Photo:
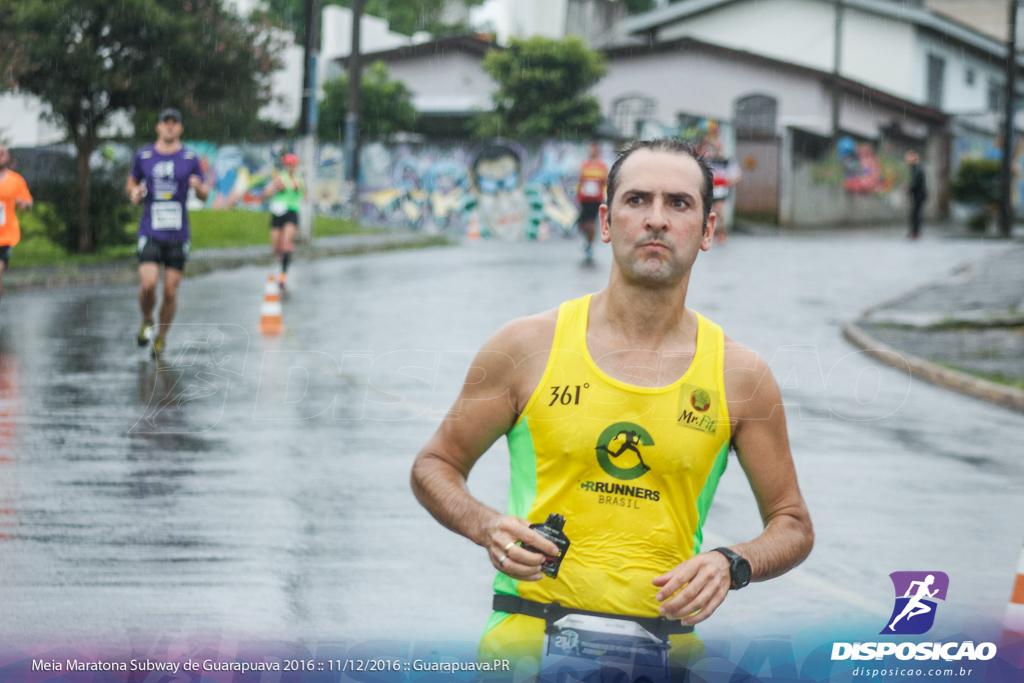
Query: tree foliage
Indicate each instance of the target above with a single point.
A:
(638, 6)
(542, 90)
(92, 59)
(403, 16)
(385, 106)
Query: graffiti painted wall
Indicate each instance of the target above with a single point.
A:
(502, 190)
(975, 145)
(861, 169)
(239, 174)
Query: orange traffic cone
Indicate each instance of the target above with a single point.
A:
(270, 312)
(1015, 609)
(474, 228)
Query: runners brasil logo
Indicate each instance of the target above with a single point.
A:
(620, 444)
(916, 595)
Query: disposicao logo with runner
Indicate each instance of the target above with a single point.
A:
(913, 613)
(916, 596)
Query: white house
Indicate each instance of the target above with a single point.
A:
(445, 75)
(900, 48)
(781, 115)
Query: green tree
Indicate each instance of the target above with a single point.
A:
(92, 59)
(403, 16)
(385, 106)
(638, 6)
(542, 90)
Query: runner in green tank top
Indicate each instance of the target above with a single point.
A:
(619, 410)
(286, 190)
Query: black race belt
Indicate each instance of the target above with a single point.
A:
(551, 612)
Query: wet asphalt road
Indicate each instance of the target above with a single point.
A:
(256, 488)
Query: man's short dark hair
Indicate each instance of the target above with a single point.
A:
(672, 146)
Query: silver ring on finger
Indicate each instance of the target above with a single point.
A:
(501, 561)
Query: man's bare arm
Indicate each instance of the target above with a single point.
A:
(201, 188)
(486, 408)
(762, 445)
(135, 189)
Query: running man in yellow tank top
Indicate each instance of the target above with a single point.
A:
(620, 409)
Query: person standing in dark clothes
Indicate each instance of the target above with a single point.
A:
(918, 191)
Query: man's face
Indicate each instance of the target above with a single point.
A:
(5, 157)
(169, 130)
(595, 151)
(912, 158)
(655, 221)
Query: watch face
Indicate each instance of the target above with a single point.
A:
(741, 573)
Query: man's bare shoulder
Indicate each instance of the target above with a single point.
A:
(749, 384)
(525, 337)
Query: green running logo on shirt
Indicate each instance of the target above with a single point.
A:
(618, 439)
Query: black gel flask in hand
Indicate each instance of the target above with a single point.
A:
(551, 530)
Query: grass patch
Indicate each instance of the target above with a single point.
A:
(40, 251)
(995, 379)
(211, 229)
(224, 228)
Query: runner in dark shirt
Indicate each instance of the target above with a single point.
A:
(161, 177)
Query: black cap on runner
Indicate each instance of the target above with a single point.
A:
(170, 113)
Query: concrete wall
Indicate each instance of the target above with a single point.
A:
(881, 53)
(817, 204)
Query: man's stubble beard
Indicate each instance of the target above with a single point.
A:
(654, 272)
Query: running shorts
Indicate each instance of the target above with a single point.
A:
(588, 211)
(286, 217)
(170, 253)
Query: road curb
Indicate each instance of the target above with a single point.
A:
(125, 271)
(1007, 397)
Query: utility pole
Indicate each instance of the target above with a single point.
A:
(836, 65)
(1006, 212)
(354, 69)
(308, 115)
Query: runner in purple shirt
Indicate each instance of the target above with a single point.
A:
(161, 176)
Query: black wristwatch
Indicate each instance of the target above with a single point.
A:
(739, 568)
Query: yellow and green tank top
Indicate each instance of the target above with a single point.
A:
(633, 470)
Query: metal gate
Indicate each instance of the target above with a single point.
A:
(757, 193)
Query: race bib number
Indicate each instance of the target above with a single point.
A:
(3, 214)
(590, 188)
(166, 216)
(278, 208)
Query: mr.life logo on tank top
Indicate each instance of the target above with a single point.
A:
(698, 409)
(620, 453)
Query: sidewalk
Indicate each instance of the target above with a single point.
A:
(207, 260)
(964, 332)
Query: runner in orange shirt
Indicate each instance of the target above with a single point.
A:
(14, 195)
(590, 195)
